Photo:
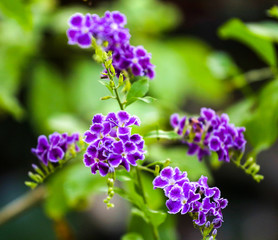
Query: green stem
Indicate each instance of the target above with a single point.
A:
(115, 89)
(146, 169)
(154, 229)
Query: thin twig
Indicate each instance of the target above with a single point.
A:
(21, 204)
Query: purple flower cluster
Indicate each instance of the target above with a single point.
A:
(197, 198)
(54, 148)
(111, 143)
(109, 32)
(209, 132)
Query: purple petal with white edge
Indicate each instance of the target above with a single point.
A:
(94, 168)
(222, 203)
(213, 192)
(217, 222)
(96, 128)
(185, 208)
(118, 147)
(193, 197)
(174, 120)
(124, 138)
(89, 137)
(214, 144)
(44, 157)
(98, 118)
(42, 143)
(201, 219)
(224, 119)
(55, 154)
(203, 181)
(84, 40)
(176, 193)
(106, 128)
(187, 186)
(173, 206)
(123, 117)
(136, 138)
(72, 36)
(167, 173)
(103, 168)
(129, 147)
(133, 121)
(114, 160)
(207, 205)
(111, 117)
(136, 69)
(92, 151)
(55, 138)
(151, 73)
(158, 182)
(88, 160)
(182, 123)
(140, 146)
(178, 175)
(125, 164)
(131, 158)
(207, 113)
(140, 51)
(123, 130)
(119, 18)
(76, 20)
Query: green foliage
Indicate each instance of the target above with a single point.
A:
(171, 135)
(47, 82)
(132, 236)
(137, 91)
(262, 129)
(18, 10)
(70, 188)
(273, 12)
(179, 158)
(236, 29)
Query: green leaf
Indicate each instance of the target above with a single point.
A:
(147, 99)
(47, 96)
(137, 90)
(262, 128)
(273, 12)
(237, 30)
(18, 10)
(132, 236)
(156, 217)
(266, 29)
(171, 135)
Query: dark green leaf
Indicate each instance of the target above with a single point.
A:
(137, 90)
(235, 29)
(163, 134)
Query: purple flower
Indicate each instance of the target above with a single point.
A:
(55, 148)
(209, 132)
(111, 143)
(110, 33)
(195, 197)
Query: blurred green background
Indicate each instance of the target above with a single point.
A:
(47, 85)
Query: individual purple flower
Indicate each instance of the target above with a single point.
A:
(111, 143)
(197, 198)
(54, 148)
(209, 133)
